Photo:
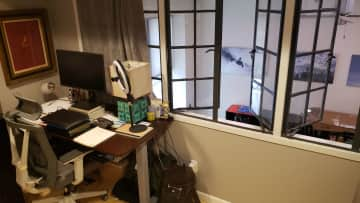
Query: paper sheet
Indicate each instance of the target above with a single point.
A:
(94, 137)
(52, 106)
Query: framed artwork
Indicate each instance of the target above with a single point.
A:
(236, 60)
(303, 66)
(26, 49)
(354, 72)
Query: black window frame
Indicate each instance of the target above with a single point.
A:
(217, 56)
(291, 131)
(217, 61)
(265, 124)
(152, 46)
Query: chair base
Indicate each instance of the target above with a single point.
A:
(72, 197)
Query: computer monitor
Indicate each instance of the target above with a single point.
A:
(81, 70)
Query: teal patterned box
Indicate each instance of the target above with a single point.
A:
(139, 110)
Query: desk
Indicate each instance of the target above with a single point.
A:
(336, 122)
(120, 145)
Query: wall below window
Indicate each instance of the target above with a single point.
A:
(239, 169)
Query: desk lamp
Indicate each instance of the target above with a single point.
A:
(122, 86)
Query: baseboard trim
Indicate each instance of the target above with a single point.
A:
(206, 198)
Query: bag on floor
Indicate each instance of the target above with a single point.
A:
(178, 186)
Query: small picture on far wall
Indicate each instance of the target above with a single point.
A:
(354, 72)
(303, 65)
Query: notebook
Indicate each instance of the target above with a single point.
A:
(93, 137)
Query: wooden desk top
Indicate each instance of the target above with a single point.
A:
(336, 122)
(119, 145)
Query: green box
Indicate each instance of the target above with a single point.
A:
(139, 109)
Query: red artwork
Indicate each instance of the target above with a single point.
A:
(26, 49)
(25, 44)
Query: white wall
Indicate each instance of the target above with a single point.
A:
(341, 97)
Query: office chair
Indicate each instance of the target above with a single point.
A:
(38, 170)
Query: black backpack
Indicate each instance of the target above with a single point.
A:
(178, 186)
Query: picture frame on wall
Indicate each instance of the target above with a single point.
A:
(26, 47)
(354, 72)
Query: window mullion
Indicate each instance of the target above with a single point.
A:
(289, 38)
(312, 60)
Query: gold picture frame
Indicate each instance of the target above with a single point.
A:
(26, 47)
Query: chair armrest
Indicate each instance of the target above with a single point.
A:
(77, 158)
(73, 155)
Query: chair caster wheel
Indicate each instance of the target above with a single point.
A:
(105, 197)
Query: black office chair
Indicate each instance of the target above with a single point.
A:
(38, 170)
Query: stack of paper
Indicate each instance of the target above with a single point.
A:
(94, 137)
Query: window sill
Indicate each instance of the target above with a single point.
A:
(275, 139)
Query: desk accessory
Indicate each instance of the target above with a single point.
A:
(28, 108)
(127, 131)
(131, 80)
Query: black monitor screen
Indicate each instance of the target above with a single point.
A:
(81, 70)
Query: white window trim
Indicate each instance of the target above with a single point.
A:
(276, 136)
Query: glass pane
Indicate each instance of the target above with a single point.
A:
(157, 88)
(205, 25)
(181, 5)
(267, 107)
(301, 73)
(327, 23)
(258, 65)
(320, 71)
(155, 62)
(296, 113)
(150, 5)
(274, 32)
(276, 5)
(315, 106)
(261, 29)
(263, 4)
(205, 4)
(255, 98)
(182, 63)
(330, 3)
(310, 5)
(270, 72)
(152, 29)
(182, 29)
(204, 93)
(306, 32)
(183, 94)
(205, 62)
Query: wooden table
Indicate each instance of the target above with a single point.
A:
(336, 122)
(121, 145)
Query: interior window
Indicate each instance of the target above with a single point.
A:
(308, 115)
(223, 59)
